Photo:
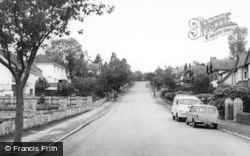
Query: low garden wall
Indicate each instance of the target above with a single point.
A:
(243, 118)
(67, 107)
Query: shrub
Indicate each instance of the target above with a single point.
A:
(163, 92)
(169, 96)
(183, 92)
(41, 86)
(224, 91)
(41, 99)
(205, 98)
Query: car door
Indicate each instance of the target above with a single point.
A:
(202, 115)
(192, 113)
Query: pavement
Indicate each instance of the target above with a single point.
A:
(58, 130)
(136, 126)
(239, 130)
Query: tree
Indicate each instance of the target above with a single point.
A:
(98, 59)
(169, 79)
(195, 62)
(237, 41)
(116, 73)
(185, 67)
(24, 25)
(41, 86)
(201, 84)
(68, 53)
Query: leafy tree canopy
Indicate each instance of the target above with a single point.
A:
(237, 41)
(68, 53)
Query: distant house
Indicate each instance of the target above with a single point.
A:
(219, 70)
(7, 81)
(53, 72)
(94, 68)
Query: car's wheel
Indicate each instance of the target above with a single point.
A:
(194, 124)
(215, 126)
(187, 122)
(173, 117)
(178, 119)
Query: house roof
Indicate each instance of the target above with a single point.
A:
(44, 59)
(241, 59)
(225, 64)
(33, 69)
(93, 66)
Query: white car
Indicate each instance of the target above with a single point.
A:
(182, 104)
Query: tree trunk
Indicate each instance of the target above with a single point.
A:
(19, 113)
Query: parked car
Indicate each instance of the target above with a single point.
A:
(203, 115)
(182, 104)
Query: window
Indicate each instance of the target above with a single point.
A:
(177, 101)
(31, 92)
(203, 110)
(189, 101)
(245, 73)
(211, 110)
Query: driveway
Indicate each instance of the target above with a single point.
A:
(137, 126)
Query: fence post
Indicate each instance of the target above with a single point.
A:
(238, 107)
(228, 102)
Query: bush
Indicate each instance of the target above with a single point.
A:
(183, 92)
(205, 98)
(229, 91)
(163, 92)
(41, 86)
(169, 96)
(41, 99)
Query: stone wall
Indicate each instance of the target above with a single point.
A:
(41, 117)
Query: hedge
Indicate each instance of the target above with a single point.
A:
(230, 91)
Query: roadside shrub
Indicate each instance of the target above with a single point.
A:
(224, 91)
(41, 99)
(163, 92)
(205, 98)
(169, 96)
(184, 92)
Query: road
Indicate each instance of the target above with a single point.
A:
(136, 126)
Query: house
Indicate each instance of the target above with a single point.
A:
(240, 74)
(7, 82)
(94, 68)
(53, 72)
(219, 69)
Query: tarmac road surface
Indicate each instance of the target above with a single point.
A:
(136, 126)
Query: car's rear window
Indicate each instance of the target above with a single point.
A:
(211, 110)
(203, 110)
(188, 101)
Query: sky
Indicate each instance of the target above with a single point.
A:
(152, 33)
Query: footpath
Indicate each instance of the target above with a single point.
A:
(239, 130)
(57, 131)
